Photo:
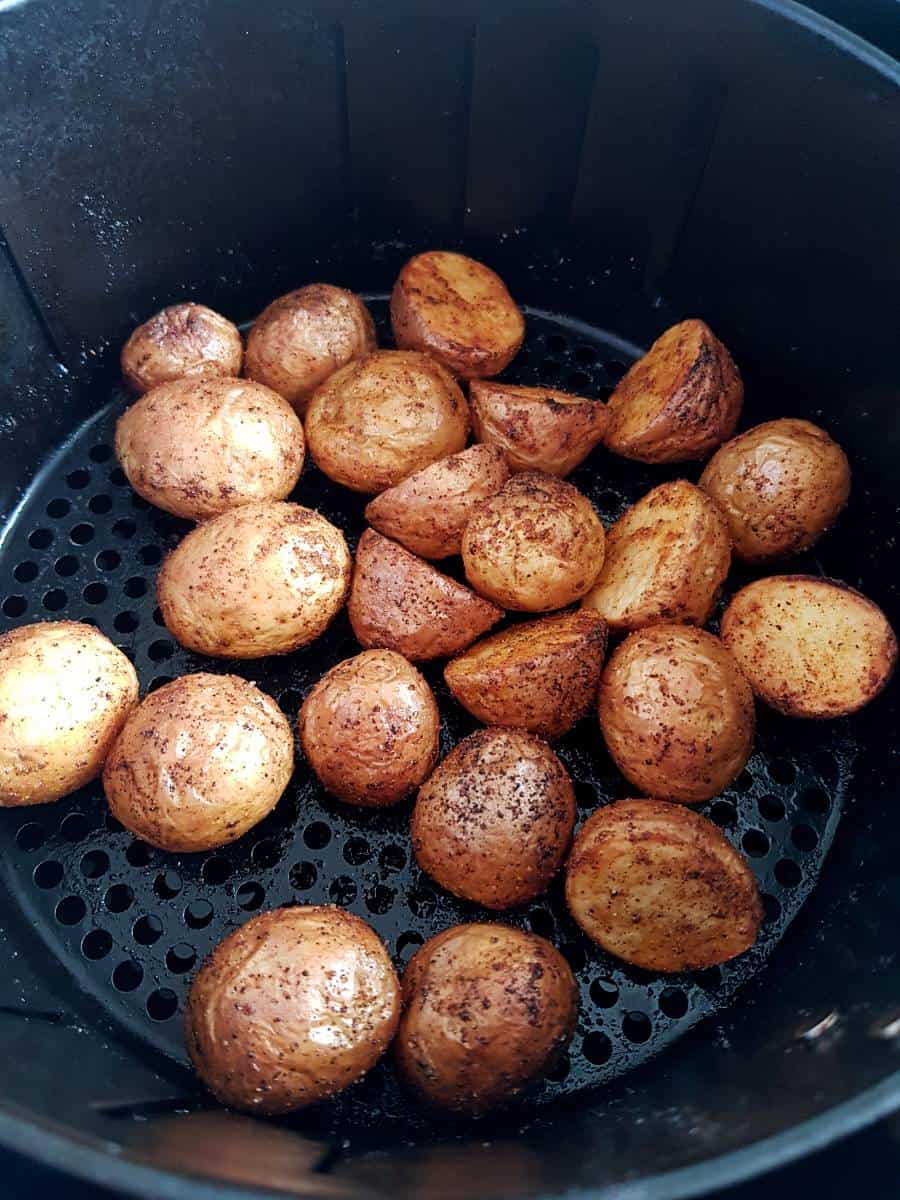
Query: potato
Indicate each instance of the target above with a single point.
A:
(196, 447)
(398, 602)
(810, 647)
(261, 579)
(182, 340)
(291, 1008)
(659, 886)
(487, 1010)
(678, 402)
(666, 560)
(540, 676)
(494, 821)
(458, 311)
(65, 692)
(781, 485)
(676, 713)
(535, 546)
(305, 336)
(428, 511)
(201, 761)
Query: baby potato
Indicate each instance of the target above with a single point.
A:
(265, 578)
(676, 713)
(458, 311)
(535, 546)
(660, 887)
(666, 560)
(540, 676)
(182, 340)
(398, 602)
(199, 762)
(487, 1010)
(383, 417)
(810, 647)
(678, 402)
(290, 1009)
(65, 692)
(428, 511)
(196, 447)
(781, 485)
(305, 336)
(494, 821)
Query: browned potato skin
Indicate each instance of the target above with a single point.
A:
(486, 1011)
(494, 821)
(660, 887)
(257, 1001)
(678, 402)
(182, 340)
(457, 310)
(781, 485)
(811, 647)
(540, 676)
(429, 510)
(676, 713)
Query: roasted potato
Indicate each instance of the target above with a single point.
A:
(261, 579)
(65, 692)
(535, 546)
(660, 887)
(678, 402)
(291, 1008)
(182, 340)
(676, 713)
(428, 511)
(666, 560)
(458, 311)
(810, 647)
(540, 676)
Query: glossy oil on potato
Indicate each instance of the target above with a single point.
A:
(184, 340)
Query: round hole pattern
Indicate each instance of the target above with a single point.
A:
(147, 930)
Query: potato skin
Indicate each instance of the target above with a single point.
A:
(182, 340)
(291, 1008)
(65, 692)
(676, 713)
(811, 647)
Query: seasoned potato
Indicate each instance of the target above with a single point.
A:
(65, 692)
(660, 887)
(678, 402)
(810, 647)
(458, 311)
(487, 1010)
(197, 447)
(541, 676)
(666, 560)
(535, 546)
(260, 579)
(428, 511)
(676, 713)
(291, 1008)
(182, 340)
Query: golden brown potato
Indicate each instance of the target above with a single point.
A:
(781, 485)
(541, 676)
(291, 1008)
(810, 647)
(398, 602)
(261, 579)
(676, 713)
(678, 402)
(487, 1010)
(201, 761)
(660, 887)
(535, 546)
(65, 692)
(305, 336)
(666, 560)
(182, 340)
(458, 311)
(494, 821)
(428, 511)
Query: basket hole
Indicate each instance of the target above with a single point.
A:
(147, 930)
(74, 827)
(673, 1002)
(139, 504)
(770, 808)
(787, 873)
(161, 650)
(250, 896)
(66, 566)
(216, 870)
(804, 838)
(14, 606)
(771, 908)
(118, 898)
(181, 958)
(112, 824)
(55, 600)
(94, 864)
(317, 835)
(150, 555)
(558, 1071)
(744, 782)
(108, 560)
(127, 976)
(380, 899)
(100, 504)
(126, 622)
(636, 1027)
(158, 618)
(58, 508)
(290, 700)
(198, 914)
(755, 843)
(25, 572)
(135, 587)
(709, 980)
(408, 943)
(342, 890)
(596, 1048)
(574, 956)
(30, 837)
(82, 534)
(723, 814)
(95, 593)
(783, 771)
(96, 944)
(357, 851)
(78, 479)
(48, 874)
(101, 453)
(604, 993)
(40, 539)
(117, 477)
(162, 1004)
(815, 800)
(302, 876)
(422, 902)
(609, 501)
(167, 884)
(125, 528)
(392, 858)
(70, 910)
(265, 854)
(138, 854)
(541, 922)
(585, 795)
